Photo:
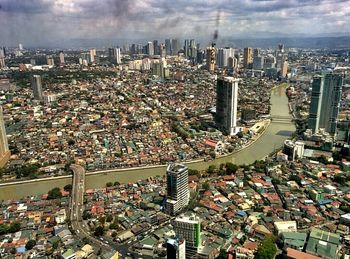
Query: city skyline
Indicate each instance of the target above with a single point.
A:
(113, 20)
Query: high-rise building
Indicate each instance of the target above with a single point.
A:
(226, 104)
(293, 150)
(20, 46)
(92, 55)
(178, 193)
(256, 53)
(284, 69)
(211, 58)
(155, 47)
(168, 48)
(187, 48)
(258, 62)
(175, 47)
(150, 48)
(4, 147)
(188, 227)
(162, 51)
(176, 249)
(115, 53)
(32, 61)
(248, 57)
(49, 60)
(200, 55)
(325, 99)
(37, 87)
(223, 56)
(61, 55)
(2, 58)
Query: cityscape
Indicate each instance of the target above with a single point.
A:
(179, 130)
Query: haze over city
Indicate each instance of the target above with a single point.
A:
(65, 23)
(182, 129)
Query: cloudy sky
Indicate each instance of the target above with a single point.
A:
(60, 22)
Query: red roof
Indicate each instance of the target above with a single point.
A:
(300, 255)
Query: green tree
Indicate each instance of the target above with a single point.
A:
(102, 220)
(55, 193)
(27, 170)
(322, 159)
(99, 231)
(223, 254)
(114, 224)
(267, 249)
(295, 178)
(338, 178)
(4, 228)
(68, 188)
(14, 227)
(193, 172)
(109, 184)
(30, 244)
(231, 168)
(109, 218)
(205, 186)
(86, 215)
(211, 169)
(116, 183)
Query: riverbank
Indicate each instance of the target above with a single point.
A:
(273, 136)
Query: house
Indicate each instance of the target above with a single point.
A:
(322, 243)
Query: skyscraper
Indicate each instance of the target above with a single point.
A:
(284, 69)
(325, 99)
(226, 104)
(168, 48)
(4, 147)
(258, 60)
(178, 193)
(256, 53)
(188, 227)
(116, 54)
(92, 55)
(248, 57)
(175, 47)
(155, 47)
(162, 51)
(187, 48)
(2, 58)
(37, 87)
(49, 60)
(176, 249)
(150, 48)
(211, 58)
(223, 56)
(61, 55)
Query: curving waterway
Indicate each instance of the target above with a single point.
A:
(272, 138)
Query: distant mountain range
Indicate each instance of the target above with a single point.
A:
(258, 40)
(338, 42)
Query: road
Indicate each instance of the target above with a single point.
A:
(77, 208)
(106, 244)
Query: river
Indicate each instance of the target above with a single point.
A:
(273, 138)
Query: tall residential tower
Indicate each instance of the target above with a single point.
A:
(178, 193)
(4, 147)
(37, 87)
(325, 99)
(226, 104)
